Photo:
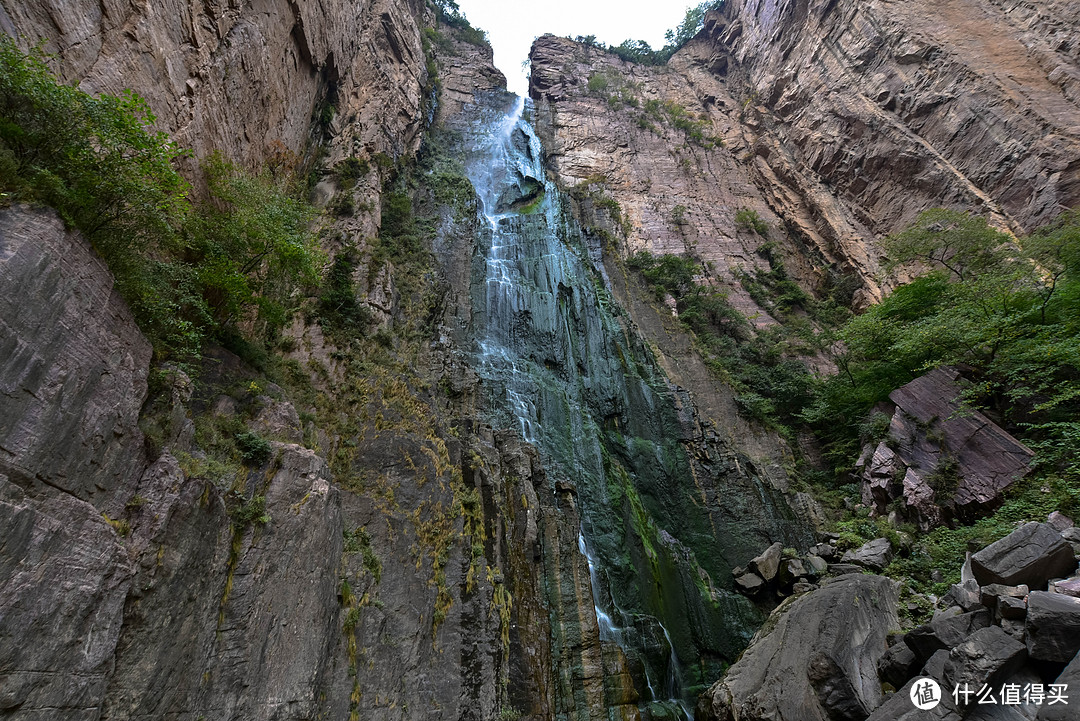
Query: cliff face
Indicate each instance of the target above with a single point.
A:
(395, 554)
(240, 78)
(840, 122)
(328, 579)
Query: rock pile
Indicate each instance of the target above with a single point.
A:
(779, 572)
(1013, 626)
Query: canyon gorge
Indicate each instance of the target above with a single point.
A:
(488, 466)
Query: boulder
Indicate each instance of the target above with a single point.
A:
(816, 565)
(874, 554)
(1014, 627)
(935, 665)
(1070, 677)
(1060, 521)
(1067, 586)
(965, 595)
(987, 458)
(825, 550)
(898, 665)
(880, 470)
(1011, 608)
(990, 595)
(1053, 627)
(1001, 712)
(945, 632)
(1072, 537)
(898, 707)
(1032, 555)
(749, 583)
(791, 571)
(842, 569)
(768, 563)
(989, 656)
(816, 658)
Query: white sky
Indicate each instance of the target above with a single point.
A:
(512, 25)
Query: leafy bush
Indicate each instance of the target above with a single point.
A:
(639, 51)
(340, 314)
(253, 511)
(1003, 309)
(96, 161)
(254, 449)
(250, 243)
(750, 220)
(187, 270)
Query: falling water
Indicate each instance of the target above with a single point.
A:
(559, 366)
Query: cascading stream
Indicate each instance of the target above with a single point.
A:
(558, 365)
(531, 280)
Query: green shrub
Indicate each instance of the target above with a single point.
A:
(188, 270)
(341, 315)
(750, 220)
(254, 449)
(246, 513)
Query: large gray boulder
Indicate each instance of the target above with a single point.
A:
(989, 656)
(1053, 627)
(874, 554)
(768, 563)
(1070, 677)
(815, 659)
(945, 633)
(898, 664)
(1032, 555)
(898, 707)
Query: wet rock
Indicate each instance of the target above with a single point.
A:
(815, 659)
(768, 563)
(989, 656)
(1053, 626)
(874, 554)
(1031, 555)
(898, 664)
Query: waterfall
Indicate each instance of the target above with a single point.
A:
(558, 365)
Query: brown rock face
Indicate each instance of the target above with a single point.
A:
(946, 460)
(245, 79)
(840, 121)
